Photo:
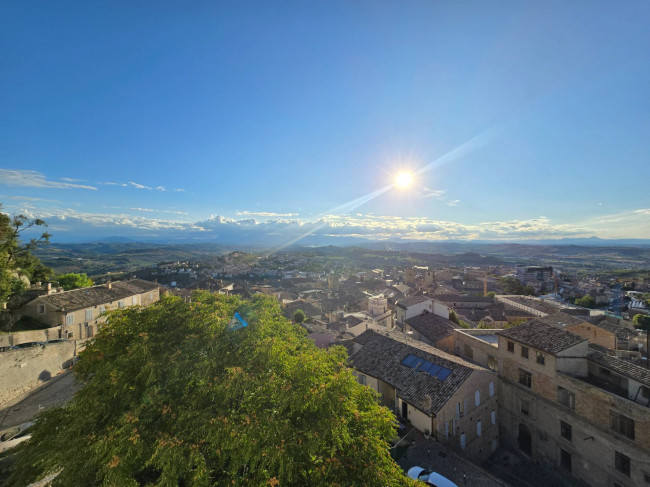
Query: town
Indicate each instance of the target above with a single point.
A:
(504, 368)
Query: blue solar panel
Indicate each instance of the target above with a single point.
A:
(434, 370)
(411, 361)
(444, 373)
(424, 366)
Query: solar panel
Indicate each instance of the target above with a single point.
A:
(410, 361)
(434, 370)
(424, 366)
(444, 373)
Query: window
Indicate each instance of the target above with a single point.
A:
(89, 314)
(493, 363)
(525, 378)
(565, 460)
(469, 351)
(362, 379)
(458, 410)
(511, 347)
(41, 309)
(524, 407)
(541, 359)
(150, 295)
(491, 389)
(565, 430)
(566, 398)
(120, 304)
(446, 429)
(477, 398)
(462, 441)
(465, 405)
(102, 309)
(621, 424)
(493, 416)
(134, 300)
(524, 352)
(69, 319)
(479, 428)
(622, 463)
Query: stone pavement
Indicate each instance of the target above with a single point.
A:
(55, 392)
(430, 454)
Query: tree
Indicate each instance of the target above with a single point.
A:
(587, 301)
(299, 316)
(453, 317)
(18, 267)
(491, 294)
(511, 285)
(74, 281)
(173, 396)
(642, 322)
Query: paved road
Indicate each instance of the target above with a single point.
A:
(434, 456)
(55, 392)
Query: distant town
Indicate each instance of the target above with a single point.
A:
(503, 369)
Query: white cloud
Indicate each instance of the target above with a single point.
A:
(109, 183)
(138, 185)
(19, 177)
(452, 202)
(264, 214)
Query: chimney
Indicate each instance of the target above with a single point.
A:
(48, 288)
(109, 285)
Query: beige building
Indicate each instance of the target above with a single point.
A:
(439, 394)
(79, 312)
(568, 403)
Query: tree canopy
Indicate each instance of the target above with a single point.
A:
(299, 316)
(74, 281)
(587, 301)
(173, 396)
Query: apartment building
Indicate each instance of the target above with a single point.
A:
(573, 404)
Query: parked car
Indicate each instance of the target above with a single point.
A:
(429, 477)
(12, 436)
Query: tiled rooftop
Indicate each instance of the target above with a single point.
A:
(619, 366)
(405, 303)
(542, 336)
(98, 295)
(431, 326)
(381, 357)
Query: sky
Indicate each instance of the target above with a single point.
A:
(236, 120)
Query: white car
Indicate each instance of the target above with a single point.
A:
(429, 477)
(13, 436)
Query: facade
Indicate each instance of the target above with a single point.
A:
(78, 312)
(439, 394)
(410, 307)
(565, 402)
(431, 329)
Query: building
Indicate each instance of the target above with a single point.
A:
(565, 402)
(439, 394)
(413, 306)
(431, 329)
(540, 278)
(79, 312)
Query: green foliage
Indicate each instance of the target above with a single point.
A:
(463, 324)
(511, 285)
(641, 322)
(74, 281)
(299, 316)
(491, 294)
(587, 301)
(453, 317)
(17, 265)
(173, 397)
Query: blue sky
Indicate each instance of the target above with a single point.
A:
(520, 119)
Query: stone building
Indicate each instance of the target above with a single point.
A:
(79, 312)
(440, 394)
(569, 403)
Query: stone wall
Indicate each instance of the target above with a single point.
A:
(27, 368)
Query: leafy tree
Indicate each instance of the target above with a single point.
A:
(511, 285)
(491, 294)
(299, 316)
(642, 322)
(453, 317)
(529, 290)
(18, 267)
(173, 396)
(587, 301)
(74, 281)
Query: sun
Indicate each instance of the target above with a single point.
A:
(404, 179)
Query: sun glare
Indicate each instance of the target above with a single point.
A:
(404, 179)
